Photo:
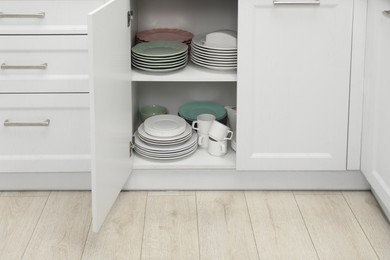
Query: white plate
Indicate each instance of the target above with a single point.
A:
(215, 62)
(186, 132)
(213, 57)
(213, 52)
(212, 67)
(160, 69)
(159, 143)
(181, 146)
(171, 158)
(165, 125)
(166, 153)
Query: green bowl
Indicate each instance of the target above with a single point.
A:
(152, 110)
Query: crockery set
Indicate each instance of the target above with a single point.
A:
(212, 135)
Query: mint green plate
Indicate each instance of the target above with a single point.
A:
(190, 111)
(159, 48)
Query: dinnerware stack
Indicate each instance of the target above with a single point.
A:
(165, 137)
(166, 34)
(159, 56)
(190, 111)
(216, 50)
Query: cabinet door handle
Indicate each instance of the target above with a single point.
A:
(40, 15)
(24, 67)
(386, 12)
(44, 123)
(315, 2)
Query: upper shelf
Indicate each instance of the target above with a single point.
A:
(190, 73)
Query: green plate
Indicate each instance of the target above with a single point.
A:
(159, 48)
(190, 111)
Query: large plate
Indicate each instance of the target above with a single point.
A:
(213, 57)
(172, 148)
(160, 69)
(172, 157)
(190, 111)
(159, 59)
(212, 66)
(160, 48)
(165, 125)
(159, 65)
(215, 62)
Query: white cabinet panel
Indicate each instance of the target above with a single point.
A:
(45, 17)
(65, 59)
(293, 85)
(376, 131)
(44, 133)
(111, 104)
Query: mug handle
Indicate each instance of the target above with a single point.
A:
(229, 137)
(193, 125)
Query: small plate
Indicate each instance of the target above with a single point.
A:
(157, 139)
(200, 41)
(165, 125)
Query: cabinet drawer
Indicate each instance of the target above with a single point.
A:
(45, 17)
(54, 63)
(44, 133)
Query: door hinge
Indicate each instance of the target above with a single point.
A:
(129, 18)
(131, 147)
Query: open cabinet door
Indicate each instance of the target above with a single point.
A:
(376, 131)
(111, 107)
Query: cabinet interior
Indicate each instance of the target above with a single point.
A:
(175, 90)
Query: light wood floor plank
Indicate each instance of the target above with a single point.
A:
(63, 227)
(170, 228)
(372, 220)
(335, 232)
(171, 193)
(278, 226)
(120, 237)
(225, 230)
(25, 194)
(18, 218)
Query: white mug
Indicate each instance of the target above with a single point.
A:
(220, 132)
(217, 148)
(203, 123)
(203, 140)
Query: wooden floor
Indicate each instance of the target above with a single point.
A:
(195, 225)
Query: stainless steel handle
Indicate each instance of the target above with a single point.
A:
(40, 15)
(24, 67)
(44, 123)
(386, 12)
(315, 2)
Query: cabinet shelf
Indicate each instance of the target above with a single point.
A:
(191, 72)
(201, 159)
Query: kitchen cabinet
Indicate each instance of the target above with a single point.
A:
(291, 88)
(294, 100)
(44, 89)
(376, 137)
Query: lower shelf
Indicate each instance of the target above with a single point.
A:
(201, 159)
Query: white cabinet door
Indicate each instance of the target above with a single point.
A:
(376, 121)
(293, 84)
(111, 108)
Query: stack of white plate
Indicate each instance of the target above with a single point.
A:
(159, 56)
(217, 50)
(165, 137)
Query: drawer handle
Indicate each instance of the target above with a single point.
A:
(44, 123)
(24, 67)
(40, 15)
(386, 12)
(315, 2)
